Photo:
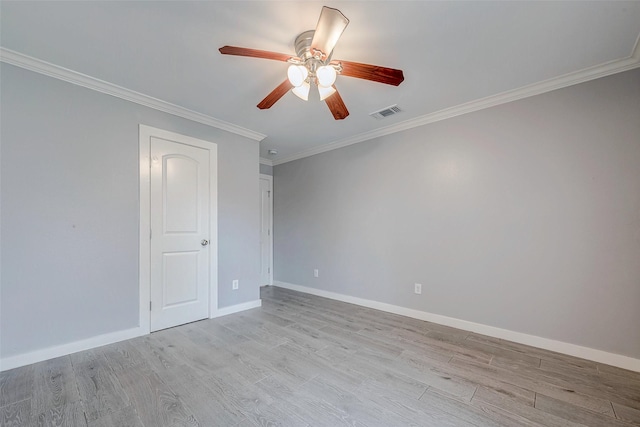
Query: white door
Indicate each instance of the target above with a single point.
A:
(179, 233)
(266, 237)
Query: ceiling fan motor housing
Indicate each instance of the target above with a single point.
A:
(311, 60)
(314, 65)
(303, 45)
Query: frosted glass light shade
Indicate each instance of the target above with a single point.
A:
(325, 92)
(326, 75)
(297, 74)
(302, 91)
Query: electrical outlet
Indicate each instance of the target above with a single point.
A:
(418, 288)
(316, 273)
(234, 284)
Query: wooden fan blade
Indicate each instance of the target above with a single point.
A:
(254, 53)
(275, 95)
(375, 73)
(330, 26)
(336, 105)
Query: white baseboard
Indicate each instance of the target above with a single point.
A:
(224, 311)
(19, 360)
(600, 356)
(65, 349)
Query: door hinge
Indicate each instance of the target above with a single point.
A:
(268, 193)
(268, 270)
(149, 305)
(269, 232)
(150, 233)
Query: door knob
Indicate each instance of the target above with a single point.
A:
(204, 242)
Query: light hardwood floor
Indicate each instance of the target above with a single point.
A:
(304, 360)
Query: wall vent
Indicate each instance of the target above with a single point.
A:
(386, 112)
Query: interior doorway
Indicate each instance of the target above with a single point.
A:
(178, 229)
(266, 230)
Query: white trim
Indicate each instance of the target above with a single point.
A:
(581, 76)
(600, 356)
(144, 248)
(225, 311)
(33, 64)
(145, 134)
(270, 179)
(64, 349)
(590, 73)
(24, 359)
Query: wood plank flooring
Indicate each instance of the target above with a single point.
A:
(302, 360)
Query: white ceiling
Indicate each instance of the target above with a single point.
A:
(451, 53)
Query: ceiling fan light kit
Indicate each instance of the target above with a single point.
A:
(326, 92)
(297, 74)
(302, 91)
(326, 75)
(314, 65)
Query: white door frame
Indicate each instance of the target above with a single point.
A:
(270, 179)
(145, 134)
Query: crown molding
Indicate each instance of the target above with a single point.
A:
(570, 79)
(42, 67)
(33, 64)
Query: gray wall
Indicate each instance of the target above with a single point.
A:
(524, 216)
(266, 169)
(69, 177)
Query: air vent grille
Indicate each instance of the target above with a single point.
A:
(386, 112)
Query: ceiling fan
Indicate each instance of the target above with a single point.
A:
(314, 65)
